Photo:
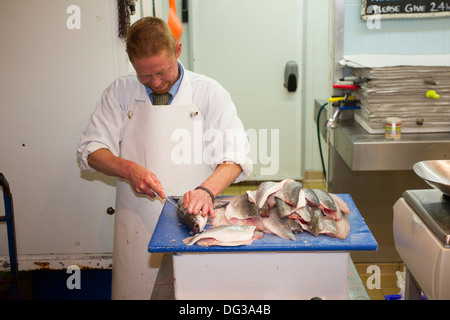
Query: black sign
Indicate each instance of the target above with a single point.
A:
(383, 9)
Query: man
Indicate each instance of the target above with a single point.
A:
(154, 150)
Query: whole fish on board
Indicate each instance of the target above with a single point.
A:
(231, 235)
(195, 223)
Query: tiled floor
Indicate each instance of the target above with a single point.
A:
(387, 281)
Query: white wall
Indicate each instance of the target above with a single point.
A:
(52, 77)
(317, 75)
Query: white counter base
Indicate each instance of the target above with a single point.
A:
(257, 275)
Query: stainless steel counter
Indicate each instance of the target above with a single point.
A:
(372, 152)
(376, 172)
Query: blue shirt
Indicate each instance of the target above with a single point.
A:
(173, 90)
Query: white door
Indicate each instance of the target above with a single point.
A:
(245, 45)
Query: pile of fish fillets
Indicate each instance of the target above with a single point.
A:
(282, 208)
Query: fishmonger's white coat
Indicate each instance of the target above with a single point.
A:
(181, 143)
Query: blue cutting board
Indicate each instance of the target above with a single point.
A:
(170, 232)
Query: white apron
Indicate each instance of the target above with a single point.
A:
(147, 141)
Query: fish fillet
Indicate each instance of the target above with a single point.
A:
(303, 214)
(340, 203)
(311, 198)
(327, 204)
(295, 225)
(225, 235)
(290, 193)
(343, 228)
(242, 211)
(265, 195)
(280, 227)
(280, 208)
(326, 225)
(220, 219)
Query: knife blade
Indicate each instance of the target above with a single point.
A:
(169, 199)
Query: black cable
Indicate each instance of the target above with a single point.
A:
(318, 137)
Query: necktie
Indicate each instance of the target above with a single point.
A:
(160, 99)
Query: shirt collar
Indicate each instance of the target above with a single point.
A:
(174, 89)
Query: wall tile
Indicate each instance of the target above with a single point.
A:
(395, 36)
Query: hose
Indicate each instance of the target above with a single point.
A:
(318, 138)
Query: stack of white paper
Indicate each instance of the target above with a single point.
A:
(399, 89)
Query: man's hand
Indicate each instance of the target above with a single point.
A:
(144, 181)
(198, 200)
(141, 179)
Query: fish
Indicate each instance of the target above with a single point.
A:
(251, 195)
(284, 210)
(325, 199)
(327, 204)
(343, 227)
(265, 199)
(334, 228)
(289, 198)
(195, 223)
(220, 219)
(231, 235)
(311, 197)
(241, 210)
(326, 225)
(290, 192)
(302, 214)
(295, 225)
(274, 224)
(314, 224)
(340, 204)
(320, 224)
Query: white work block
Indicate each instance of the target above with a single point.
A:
(261, 275)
